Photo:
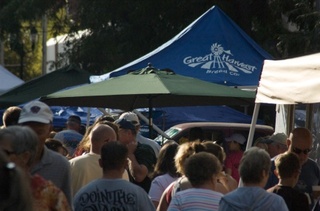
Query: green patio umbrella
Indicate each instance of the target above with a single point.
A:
(150, 87)
(46, 84)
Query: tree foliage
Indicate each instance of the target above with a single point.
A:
(119, 31)
(297, 28)
(17, 18)
(122, 31)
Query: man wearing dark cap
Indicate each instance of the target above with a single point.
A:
(277, 144)
(71, 137)
(49, 164)
(141, 156)
(131, 116)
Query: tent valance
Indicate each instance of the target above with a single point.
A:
(290, 81)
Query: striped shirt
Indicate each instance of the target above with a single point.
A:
(195, 199)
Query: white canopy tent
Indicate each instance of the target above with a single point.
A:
(288, 82)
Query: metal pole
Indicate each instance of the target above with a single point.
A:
(290, 118)
(155, 127)
(309, 116)
(253, 125)
(44, 44)
(251, 131)
(150, 118)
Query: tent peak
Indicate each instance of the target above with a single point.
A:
(152, 70)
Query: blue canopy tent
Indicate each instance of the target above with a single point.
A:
(212, 48)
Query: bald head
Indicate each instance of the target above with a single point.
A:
(300, 135)
(300, 143)
(99, 135)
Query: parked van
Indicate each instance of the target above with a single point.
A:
(214, 131)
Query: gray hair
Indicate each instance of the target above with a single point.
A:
(22, 139)
(252, 165)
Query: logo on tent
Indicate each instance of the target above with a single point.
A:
(219, 61)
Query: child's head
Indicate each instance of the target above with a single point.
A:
(287, 165)
(236, 141)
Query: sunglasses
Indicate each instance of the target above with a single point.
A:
(299, 151)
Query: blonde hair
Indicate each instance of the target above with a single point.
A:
(185, 150)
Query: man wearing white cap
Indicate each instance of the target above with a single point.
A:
(133, 118)
(277, 144)
(49, 164)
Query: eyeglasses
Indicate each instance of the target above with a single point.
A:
(299, 151)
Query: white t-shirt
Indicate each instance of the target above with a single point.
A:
(158, 185)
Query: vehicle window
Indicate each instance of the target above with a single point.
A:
(213, 133)
(170, 132)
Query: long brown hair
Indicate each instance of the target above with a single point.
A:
(165, 163)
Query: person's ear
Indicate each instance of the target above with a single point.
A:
(50, 129)
(265, 174)
(100, 163)
(127, 163)
(214, 179)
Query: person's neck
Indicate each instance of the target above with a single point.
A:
(113, 174)
(261, 185)
(95, 150)
(289, 182)
(207, 185)
(236, 150)
(39, 155)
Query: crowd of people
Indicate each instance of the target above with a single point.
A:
(111, 166)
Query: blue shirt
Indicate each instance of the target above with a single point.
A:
(56, 168)
(252, 198)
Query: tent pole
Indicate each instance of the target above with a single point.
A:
(88, 116)
(150, 118)
(290, 118)
(253, 125)
(309, 116)
(155, 127)
(251, 131)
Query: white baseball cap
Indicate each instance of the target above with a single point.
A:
(130, 116)
(280, 138)
(36, 111)
(237, 137)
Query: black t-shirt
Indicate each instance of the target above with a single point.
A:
(295, 200)
(145, 156)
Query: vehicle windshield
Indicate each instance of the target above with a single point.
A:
(170, 132)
